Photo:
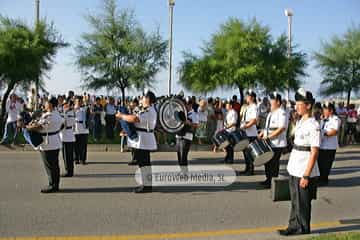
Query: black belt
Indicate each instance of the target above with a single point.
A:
(271, 129)
(302, 148)
(49, 134)
(69, 127)
(80, 121)
(144, 130)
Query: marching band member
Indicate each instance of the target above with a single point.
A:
(275, 131)
(145, 123)
(302, 166)
(51, 124)
(329, 141)
(248, 124)
(81, 131)
(230, 122)
(68, 138)
(185, 137)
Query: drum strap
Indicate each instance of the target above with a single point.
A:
(268, 124)
(302, 148)
(144, 130)
(49, 134)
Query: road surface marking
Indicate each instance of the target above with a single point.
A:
(177, 235)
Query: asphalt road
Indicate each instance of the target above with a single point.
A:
(98, 201)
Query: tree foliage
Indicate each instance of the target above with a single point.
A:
(339, 61)
(118, 53)
(243, 55)
(26, 54)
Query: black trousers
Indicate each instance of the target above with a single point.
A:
(109, 125)
(272, 167)
(248, 162)
(182, 149)
(81, 147)
(325, 161)
(68, 156)
(97, 128)
(51, 163)
(300, 214)
(229, 157)
(142, 157)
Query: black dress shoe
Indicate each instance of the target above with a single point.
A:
(266, 184)
(77, 162)
(50, 190)
(289, 232)
(83, 163)
(66, 175)
(143, 189)
(132, 163)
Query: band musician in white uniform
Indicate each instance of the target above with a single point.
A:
(68, 138)
(302, 166)
(248, 124)
(275, 131)
(145, 123)
(51, 123)
(329, 126)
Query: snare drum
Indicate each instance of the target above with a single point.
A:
(239, 138)
(260, 152)
(222, 139)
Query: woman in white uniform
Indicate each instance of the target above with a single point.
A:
(275, 131)
(68, 138)
(302, 166)
(230, 122)
(329, 142)
(81, 131)
(145, 123)
(248, 124)
(51, 123)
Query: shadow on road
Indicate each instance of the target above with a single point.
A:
(337, 229)
(344, 182)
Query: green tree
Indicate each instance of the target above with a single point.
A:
(117, 53)
(26, 54)
(339, 61)
(243, 55)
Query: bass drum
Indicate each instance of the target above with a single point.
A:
(260, 152)
(168, 112)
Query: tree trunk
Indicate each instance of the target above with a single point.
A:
(3, 106)
(241, 91)
(122, 96)
(348, 96)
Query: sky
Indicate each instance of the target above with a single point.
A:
(194, 22)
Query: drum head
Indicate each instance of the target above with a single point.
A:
(168, 114)
(263, 158)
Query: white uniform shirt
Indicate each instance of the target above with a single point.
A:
(194, 117)
(67, 134)
(80, 118)
(332, 123)
(307, 134)
(145, 140)
(276, 119)
(51, 122)
(230, 119)
(13, 109)
(250, 113)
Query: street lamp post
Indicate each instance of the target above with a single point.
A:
(37, 13)
(171, 13)
(289, 13)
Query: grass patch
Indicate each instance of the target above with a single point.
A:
(339, 236)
